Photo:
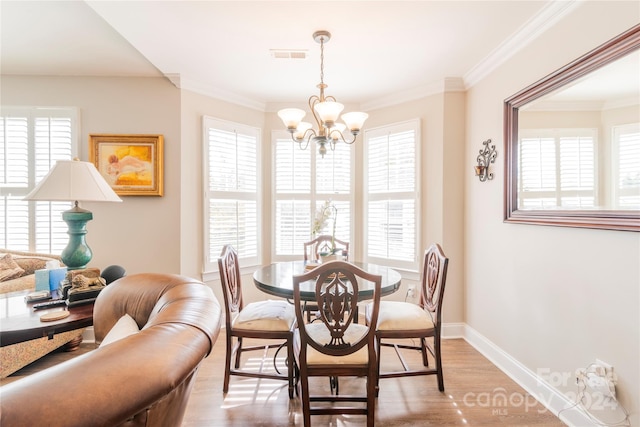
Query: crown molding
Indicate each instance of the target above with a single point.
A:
(191, 85)
(547, 17)
(553, 12)
(449, 84)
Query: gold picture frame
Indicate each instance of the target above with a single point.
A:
(131, 164)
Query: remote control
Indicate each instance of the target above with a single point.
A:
(49, 304)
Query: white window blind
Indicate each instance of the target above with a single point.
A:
(626, 160)
(392, 194)
(304, 181)
(231, 191)
(31, 141)
(557, 169)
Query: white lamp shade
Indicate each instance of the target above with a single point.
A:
(337, 130)
(329, 111)
(354, 120)
(73, 180)
(303, 127)
(291, 117)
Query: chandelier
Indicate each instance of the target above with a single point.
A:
(325, 110)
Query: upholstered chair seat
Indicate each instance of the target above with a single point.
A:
(265, 316)
(399, 315)
(319, 333)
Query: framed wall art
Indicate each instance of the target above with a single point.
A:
(131, 164)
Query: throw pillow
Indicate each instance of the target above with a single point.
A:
(9, 269)
(124, 327)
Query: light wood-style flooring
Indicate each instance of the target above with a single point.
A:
(476, 393)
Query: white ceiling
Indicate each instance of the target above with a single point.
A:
(380, 51)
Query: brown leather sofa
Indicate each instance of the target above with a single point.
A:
(143, 379)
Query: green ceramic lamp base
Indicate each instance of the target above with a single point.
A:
(77, 254)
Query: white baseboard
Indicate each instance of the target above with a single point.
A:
(554, 400)
(453, 330)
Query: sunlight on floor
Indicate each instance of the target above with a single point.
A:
(249, 391)
(458, 410)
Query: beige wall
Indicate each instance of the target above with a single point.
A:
(141, 233)
(552, 298)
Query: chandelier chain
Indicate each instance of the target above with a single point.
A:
(322, 60)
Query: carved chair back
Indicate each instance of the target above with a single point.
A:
(229, 269)
(336, 290)
(434, 277)
(323, 244)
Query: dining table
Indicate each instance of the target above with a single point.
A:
(277, 279)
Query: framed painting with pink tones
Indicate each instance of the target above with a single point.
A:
(131, 164)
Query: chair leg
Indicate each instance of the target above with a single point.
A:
(334, 385)
(423, 348)
(436, 349)
(372, 393)
(377, 383)
(306, 401)
(290, 366)
(238, 353)
(227, 365)
(296, 378)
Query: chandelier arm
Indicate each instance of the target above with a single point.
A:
(313, 100)
(306, 137)
(341, 137)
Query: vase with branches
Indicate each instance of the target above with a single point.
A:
(325, 212)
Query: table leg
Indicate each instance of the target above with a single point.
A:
(74, 344)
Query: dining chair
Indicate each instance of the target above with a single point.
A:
(336, 346)
(323, 244)
(266, 320)
(420, 322)
(312, 250)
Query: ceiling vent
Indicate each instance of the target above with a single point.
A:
(288, 54)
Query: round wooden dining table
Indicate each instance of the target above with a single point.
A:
(276, 279)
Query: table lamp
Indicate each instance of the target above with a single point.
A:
(74, 181)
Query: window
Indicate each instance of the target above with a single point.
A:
(303, 182)
(392, 195)
(31, 141)
(557, 169)
(231, 201)
(626, 161)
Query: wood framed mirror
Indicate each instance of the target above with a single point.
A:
(572, 142)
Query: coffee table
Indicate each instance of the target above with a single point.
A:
(24, 338)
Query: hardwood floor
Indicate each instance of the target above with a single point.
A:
(476, 394)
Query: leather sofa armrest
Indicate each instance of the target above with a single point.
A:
(109, 385)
